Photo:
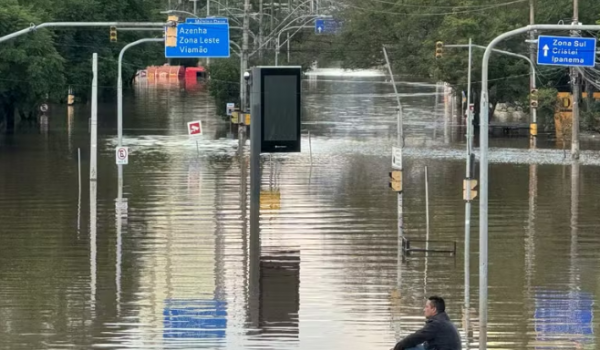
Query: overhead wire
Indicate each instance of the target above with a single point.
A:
(383, 11)
(441, 6)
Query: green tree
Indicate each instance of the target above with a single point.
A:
(30, 68)
(410, 28)
(224, 84)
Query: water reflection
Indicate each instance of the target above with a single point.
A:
(172, 269)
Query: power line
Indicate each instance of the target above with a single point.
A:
(435, 13)
(441, 6)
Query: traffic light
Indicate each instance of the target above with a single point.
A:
(171, 32)
(533, 98)
(113, 34)
(439, 49)
(396, 180)
(469, 184)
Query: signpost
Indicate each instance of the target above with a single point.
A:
(208, 37)
(122, 155)
(397, 158)
(327, 25)
(195, 128)
(566, 51)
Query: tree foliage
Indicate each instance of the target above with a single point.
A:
(45, 63)
(410, 29)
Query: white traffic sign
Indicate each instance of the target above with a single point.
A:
(122, 155)
(397, 158)
(195, 128)
(230, 108)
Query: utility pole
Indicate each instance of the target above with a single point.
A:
(272, 15)
(260, 29)
(244, 56)
(576, 91)
(207, 15)
(532, 83)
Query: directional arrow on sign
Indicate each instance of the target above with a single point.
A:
(320, 29)
(546, 48)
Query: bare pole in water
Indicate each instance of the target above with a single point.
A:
(468, 199)
(400, 143)
(397, 160)
(93, 182)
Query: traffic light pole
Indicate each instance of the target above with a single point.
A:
(400, 143)
(484, 163)
(34, 27)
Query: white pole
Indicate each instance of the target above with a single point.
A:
(244, 55)
(93, 180)
(120, 103)
(94, 120)
(576, 92)
(310, 147)
(427, 206)
(79, 197)
(400, 142)
(277, 51)
(468, 201)
(207, 15)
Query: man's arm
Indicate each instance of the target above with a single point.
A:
(422, 335)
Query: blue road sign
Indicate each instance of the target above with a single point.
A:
(212, 20)
(200, 41)
(566, 51)
(194, 319)
(326, 25)
(561, 316)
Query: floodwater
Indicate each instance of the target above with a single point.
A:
(171, 270)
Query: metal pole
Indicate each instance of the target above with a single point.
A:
(278, 42)
(94, 120)
(483, 172)
(277, 51)
(79, 197)
(532, 82)
(34, 27)
(93, 180)
(400, 142)
(576, 91)
(244, 58)
(260, 28)
(468, 175)
(288, 47)
(272, 17)
(207, 15)
(255, 184)
(427, 206)
(310, 148)
(120, 103)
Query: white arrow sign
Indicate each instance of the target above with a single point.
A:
(319, 29)
(545, 48)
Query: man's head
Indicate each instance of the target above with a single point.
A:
(434, 306)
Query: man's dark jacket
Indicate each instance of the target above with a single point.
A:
(438, 334)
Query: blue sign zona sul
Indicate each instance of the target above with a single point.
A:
(566, 51)
(200, 41)
(326, 25)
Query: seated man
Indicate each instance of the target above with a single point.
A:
(438, 334)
